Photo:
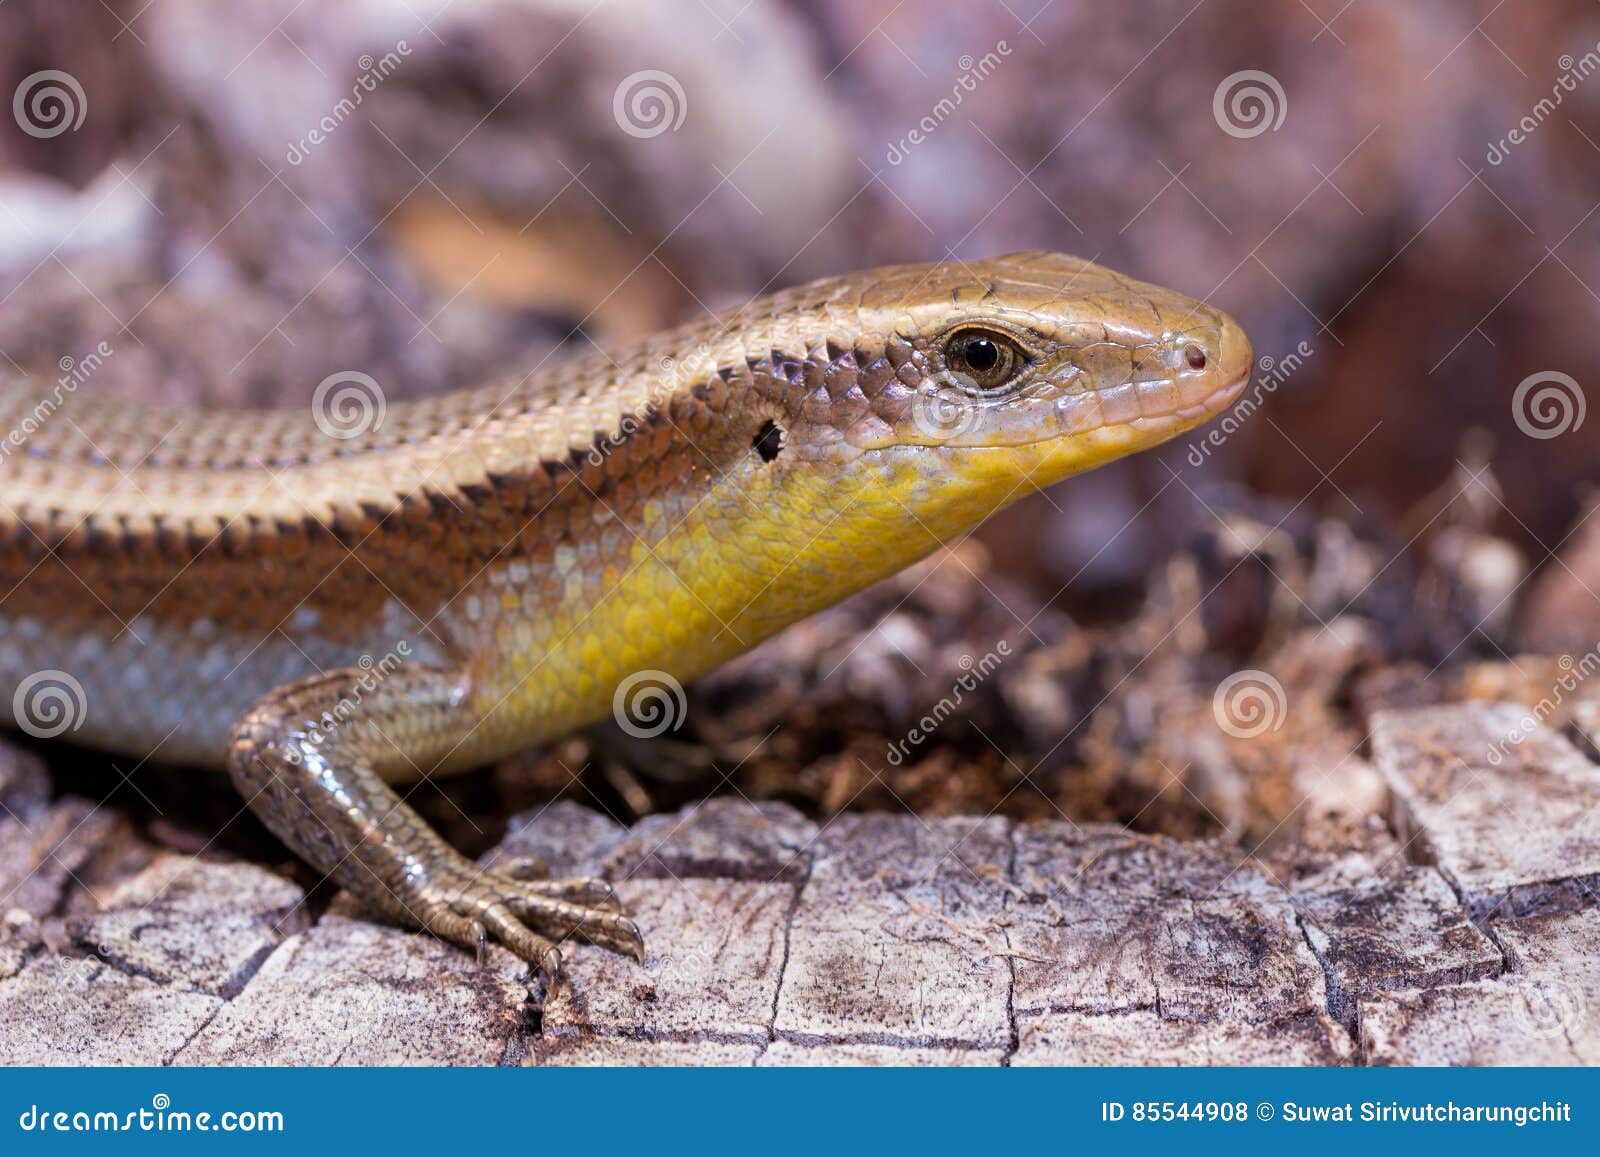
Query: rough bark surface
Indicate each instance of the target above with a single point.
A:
(1463, 929)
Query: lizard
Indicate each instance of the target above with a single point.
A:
(333, 607)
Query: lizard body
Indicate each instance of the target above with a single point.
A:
(328, 612)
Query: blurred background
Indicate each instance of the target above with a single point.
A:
(1400, 202)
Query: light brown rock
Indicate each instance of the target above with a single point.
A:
(577, 1051)
(882, 939)
(198, 925)
(1407, 932)
(354, 993)
(1110, 922)
(899, 937)
(724, 838)
(714, 961)
(45, 853)
(782, 1053)
(63, 1010)
(1147, 1038)
(1513, 824)
(1546, 1012)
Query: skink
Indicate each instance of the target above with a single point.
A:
(333, 613)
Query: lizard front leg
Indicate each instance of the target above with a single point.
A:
(309, 760)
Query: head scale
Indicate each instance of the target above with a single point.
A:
(1030, 366)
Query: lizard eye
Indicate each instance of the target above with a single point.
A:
(988, 358)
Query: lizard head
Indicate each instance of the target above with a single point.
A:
(1054, 364)
(951, 389)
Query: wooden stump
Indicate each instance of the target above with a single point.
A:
(1465, 931)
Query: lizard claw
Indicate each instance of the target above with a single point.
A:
(467, 905)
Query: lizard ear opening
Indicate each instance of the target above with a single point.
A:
(770, 439)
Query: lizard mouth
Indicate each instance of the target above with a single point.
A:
(1169, 406)
(1152, 411)
(1101, 435)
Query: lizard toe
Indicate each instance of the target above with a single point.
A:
(590, 891)
(499, 920)
(561, 918)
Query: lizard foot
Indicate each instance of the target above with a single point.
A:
(318, 787)
(468, 905)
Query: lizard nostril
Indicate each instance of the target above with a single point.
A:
(1195, 356)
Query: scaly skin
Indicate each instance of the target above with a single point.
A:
(329, 616)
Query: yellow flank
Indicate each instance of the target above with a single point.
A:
(761, 550)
